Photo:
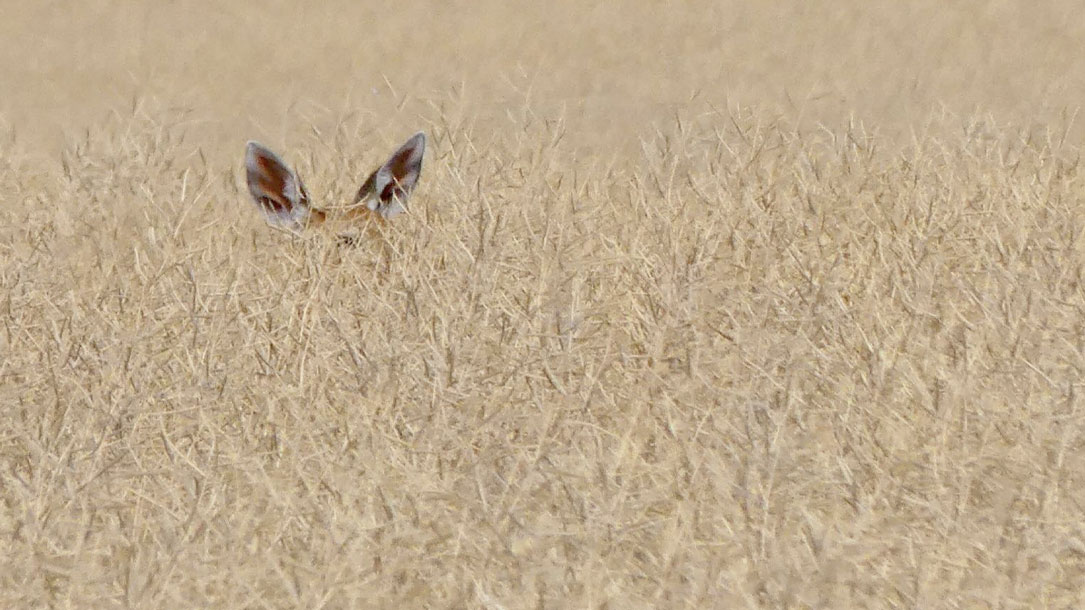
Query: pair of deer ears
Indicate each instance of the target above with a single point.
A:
(281, 195)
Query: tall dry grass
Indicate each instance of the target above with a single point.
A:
(636, 345)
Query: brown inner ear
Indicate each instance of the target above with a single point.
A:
(366, 188)
(271, 182)
(271, 179)
(393, 190)
(400, 164)
(272, 201)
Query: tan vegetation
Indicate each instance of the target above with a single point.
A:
(723, 306)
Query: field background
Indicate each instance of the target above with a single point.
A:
(709, 304)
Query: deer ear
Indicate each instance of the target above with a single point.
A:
(387, 189)
(275, 188)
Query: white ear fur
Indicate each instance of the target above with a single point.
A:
(275, 188)
(391, 209)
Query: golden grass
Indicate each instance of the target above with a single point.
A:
(694, 308)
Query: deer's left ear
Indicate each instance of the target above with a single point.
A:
(275, 188)
(387, 189)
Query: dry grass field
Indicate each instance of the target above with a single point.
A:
(709, 305)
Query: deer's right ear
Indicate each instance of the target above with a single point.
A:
(275, 188)
(387, 189)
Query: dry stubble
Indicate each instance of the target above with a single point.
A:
(751, 362)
